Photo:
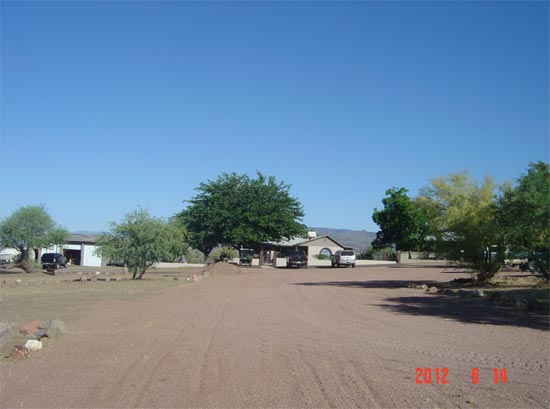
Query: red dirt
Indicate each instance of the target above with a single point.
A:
(224, 269)
(315, 338)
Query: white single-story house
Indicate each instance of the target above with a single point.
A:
(79, 250)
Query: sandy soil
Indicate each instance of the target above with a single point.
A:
(315, 338)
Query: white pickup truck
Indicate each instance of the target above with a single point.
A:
(343, 258)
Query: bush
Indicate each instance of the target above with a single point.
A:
(387, 254)
(222, 254)
(193, 256)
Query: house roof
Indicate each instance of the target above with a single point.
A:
(301, 241)
(83, 238)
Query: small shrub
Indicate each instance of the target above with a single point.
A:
(221, 254)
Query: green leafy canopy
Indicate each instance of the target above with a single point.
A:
(235, 210)
(31, 227)
(464, 218)
(141, 240)
(402, 224)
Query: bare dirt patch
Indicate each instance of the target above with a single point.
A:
(42, 297)
(224, 269)
(315, 338)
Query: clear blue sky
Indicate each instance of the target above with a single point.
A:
(107, 106)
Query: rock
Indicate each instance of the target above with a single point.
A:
(18, 281)
(411, 285)
(424, 287)
(195, 278)
(433, 289)
(496, 297)
(521, 303)
(40, 334)
(537, 305)
(478, 293)
(543, 306)
(57, 328)
(33, 345)
(4, 333)
(29, 328)
(19, 352)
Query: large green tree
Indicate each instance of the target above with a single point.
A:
(464, 215)
(402, 223)
(30, 227)
(141, 240)
(236, 210)
(525, 215)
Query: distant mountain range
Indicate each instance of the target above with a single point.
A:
(358, 239)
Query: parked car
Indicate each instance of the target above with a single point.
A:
(296, 258)
(53, 260)
(343, 258)
(116, 263)
(246, 256)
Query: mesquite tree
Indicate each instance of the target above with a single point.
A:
(30, 227)
(235, 210)
(140, 241)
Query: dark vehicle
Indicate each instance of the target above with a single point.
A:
(296, 258)
(53, 260)
(116, 263)
(245, 257)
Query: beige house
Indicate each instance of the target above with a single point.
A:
(317, 248)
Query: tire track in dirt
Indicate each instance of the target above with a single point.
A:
(151, 354)
(264, 340)
(206, 357)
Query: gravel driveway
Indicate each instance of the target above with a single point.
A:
(315, 338)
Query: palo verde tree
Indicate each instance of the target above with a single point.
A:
(466, 223)
(30, 227)
(141, 240)
(525, 215)
(235, 210)
(401, 222)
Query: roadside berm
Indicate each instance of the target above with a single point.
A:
(223, 268)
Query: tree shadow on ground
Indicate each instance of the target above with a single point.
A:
(473, 311)
(468, 310)
(375, 283)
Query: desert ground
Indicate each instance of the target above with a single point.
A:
(274, 338)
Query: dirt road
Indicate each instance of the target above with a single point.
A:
(315, 338)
